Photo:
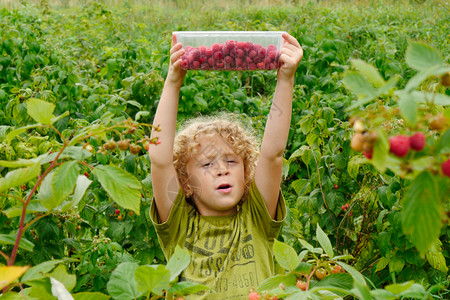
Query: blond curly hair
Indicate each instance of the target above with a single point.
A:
(229, 127)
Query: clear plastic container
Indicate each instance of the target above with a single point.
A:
(230, 50)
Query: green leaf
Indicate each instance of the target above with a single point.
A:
(436, 258)
(340, 280)
(396, 264)
(60, 274)
(76, 153)
(427, 97)
(41, 111)
(187, 288)
(359, 85)
(41, 270)
(121, 284)
(19, 176)
(179, 261)
(33, 206)
(275, 281)
(306, 245)
(353, 272)
(421, 217)
(324, 242)
(121, 186)
(10, 239)
(408, 108)
(153, 279)
(81, 186)
(10, 136)
(443, 145)
(399, 287)
(17, 163)
(64, 181)
(381, 264)
(90, 296)
(381, 152)
(420, 56)
(368, 71)
(354, 164)
(285, 255)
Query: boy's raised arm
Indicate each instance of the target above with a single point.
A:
(269, 169)
(164, 177)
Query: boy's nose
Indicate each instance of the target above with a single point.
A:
(222, 169)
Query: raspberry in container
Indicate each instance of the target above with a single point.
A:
(230, 50)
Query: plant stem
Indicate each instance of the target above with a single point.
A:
(4, 255)
(25, 205)
(34, 220)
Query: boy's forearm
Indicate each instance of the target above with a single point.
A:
(279, 120)
(165, 121)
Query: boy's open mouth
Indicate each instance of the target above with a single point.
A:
(224, 188)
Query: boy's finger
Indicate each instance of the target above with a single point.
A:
(289, 38)
(175, 48)
(174, 39)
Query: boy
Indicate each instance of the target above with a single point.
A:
(213, 195)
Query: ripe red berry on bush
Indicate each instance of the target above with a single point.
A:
(368, 154)
(417, 141)
(446, 167)
(399, 145)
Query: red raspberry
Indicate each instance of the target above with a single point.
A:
(202, 50)
(252, 66)
(252, 53)
(184, 64)
(446, 167)
(217, 47)
(218, 55)
(240, 53)
(368, 154)
(195, 52)
(208, 52)
(260, 65)
(399, 145)
(248, 46)
(273, 55)
(254, 296)
(202, 59)
(417, 141)
(240, 45)
(239, 62)
(196, 64)
(205, 66)
(211, 61)
(272, 48)
(219, 63)
(117, 211)
(262, 52)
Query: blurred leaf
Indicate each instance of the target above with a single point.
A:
(381, 152)
(421, 217)
(187, 288)
(41, 111)
(41, 270)
(421, 56)
(443, 146)
(19, 176)
(10, 239)
(9, 274)
(436, 258)
(369, 71)
(59, 290)
(354, 164)
(275, 281)
(60, 274)
(179, 261)
(285, 255)
(408, 108)
(90, 296)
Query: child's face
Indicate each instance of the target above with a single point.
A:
(216, 177)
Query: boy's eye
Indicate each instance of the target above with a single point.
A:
(207, 164)
(230, 161)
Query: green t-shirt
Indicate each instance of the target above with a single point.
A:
(230, 254)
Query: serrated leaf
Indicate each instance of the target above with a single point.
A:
(10, 273)
(436, 258)
(381, 264)
(396, 264)
(306, 245)
(10, 239)
(421, 218)
(10, 136)
(285, 255)
(120, 185)
(187, 288)
(381, 152)
(41, 111)
(122, 284)
(33, 206)
(179, 261)
(408, 108)
(63, 181)
(420, 56)
(275, 281)
(399, 287)
(41, 270)
(90, 296)
(153, 279)
(19, 176)
(359, 85)
(81, 186)
(354, 273)
(354, 164)
(324, 242)
(368, 71)
(340, 280)
(60, 274)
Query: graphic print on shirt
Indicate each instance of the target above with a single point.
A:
(222, 258)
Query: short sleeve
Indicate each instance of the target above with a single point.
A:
(176, 223)
(260, 215)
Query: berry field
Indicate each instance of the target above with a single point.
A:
(366, 174)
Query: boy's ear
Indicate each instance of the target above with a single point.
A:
(187, 189)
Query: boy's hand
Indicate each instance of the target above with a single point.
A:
(175, 74)
(291, 55)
